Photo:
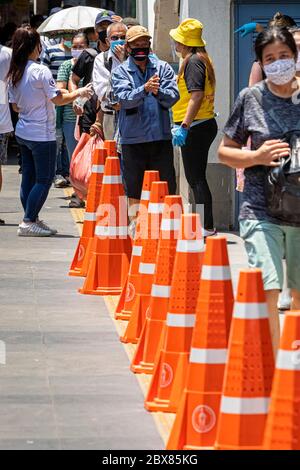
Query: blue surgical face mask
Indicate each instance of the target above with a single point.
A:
(68, 44)
(93, 44)
(119, 42)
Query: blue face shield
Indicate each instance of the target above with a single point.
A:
(119, 42)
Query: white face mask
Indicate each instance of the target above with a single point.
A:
(179, 54)
(281, 71)
(76, 53)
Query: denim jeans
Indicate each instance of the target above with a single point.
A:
(68, 128)
(38, 170)
(62, 159)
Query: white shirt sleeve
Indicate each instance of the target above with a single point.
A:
(101, 77)
(47, 82)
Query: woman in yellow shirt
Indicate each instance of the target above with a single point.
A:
(194, 116)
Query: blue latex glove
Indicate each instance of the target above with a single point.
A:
(246, 29)
(179, 136)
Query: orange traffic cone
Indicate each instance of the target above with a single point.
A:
(171, 365)
(249, 369)
(196, 419)
(112, 246)
(283, 423)
(82, 256)
(111, 147)
(127, 297)
(150, 236)
(151, 336)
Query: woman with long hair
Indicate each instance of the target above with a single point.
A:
(194, 114)
(267, 112)
(33, 94)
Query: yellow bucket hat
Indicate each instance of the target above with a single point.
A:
(189, 33)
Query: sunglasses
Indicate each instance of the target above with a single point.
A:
(115, 38)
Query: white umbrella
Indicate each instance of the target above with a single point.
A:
(70, 19)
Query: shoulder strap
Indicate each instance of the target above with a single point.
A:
(107, 61)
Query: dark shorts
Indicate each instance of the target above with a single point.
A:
(137, 158)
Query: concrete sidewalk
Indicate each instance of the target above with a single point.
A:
(66, 383)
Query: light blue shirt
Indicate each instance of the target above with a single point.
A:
(144, 117)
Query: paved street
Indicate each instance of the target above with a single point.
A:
(66, 383)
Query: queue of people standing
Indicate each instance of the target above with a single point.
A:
(131, 99)
(132, 95)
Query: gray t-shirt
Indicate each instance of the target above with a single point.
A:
(269, 120)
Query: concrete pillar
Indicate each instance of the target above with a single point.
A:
(166, 18)
(216, 18)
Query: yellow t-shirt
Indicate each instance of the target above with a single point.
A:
(194, 78)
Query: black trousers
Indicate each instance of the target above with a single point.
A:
(195, 155)
(137, 158)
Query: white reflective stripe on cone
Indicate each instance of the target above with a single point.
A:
(112, 179)
(160, 291)
(170, 224)
(111, 231)
(208, 356)
(145, 195)
(90, 216)
(216, 273)
(97, 168)
(244, 406)
(155, 207)
(288, 360)
(147, 268)
(250, 310)
(137, 250)
(190, 246)
(185, 320)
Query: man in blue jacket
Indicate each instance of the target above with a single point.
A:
(145, 88)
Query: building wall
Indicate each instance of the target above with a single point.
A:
(216, 18)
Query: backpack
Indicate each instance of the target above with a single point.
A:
(282, 184)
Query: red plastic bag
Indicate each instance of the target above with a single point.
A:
(81, 163)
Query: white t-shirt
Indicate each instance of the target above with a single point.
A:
(5, 119)
(32, 95)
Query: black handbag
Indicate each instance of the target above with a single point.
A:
(282, 187)
(283, 184)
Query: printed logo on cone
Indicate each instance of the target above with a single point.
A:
(166, 375)
(203, 419)
(81, 253)
(130, 292)
(148, 312)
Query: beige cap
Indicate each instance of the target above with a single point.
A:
(136, 32)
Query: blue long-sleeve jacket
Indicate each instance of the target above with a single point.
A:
(144, 117)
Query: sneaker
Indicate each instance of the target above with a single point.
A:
(76, 203)
(132, 229)
(209, 233)
(60, 182)
(42, 224)
(284, 300)
(2, 222)
(32, 230)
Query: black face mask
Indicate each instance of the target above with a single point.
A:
(140, 53)
(102, 36)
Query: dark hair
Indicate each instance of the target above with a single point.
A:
(82, 36)
(280, 20)
(128, 21)
(269, 36)
(36, 21)
(203, 56)
(23, 44)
